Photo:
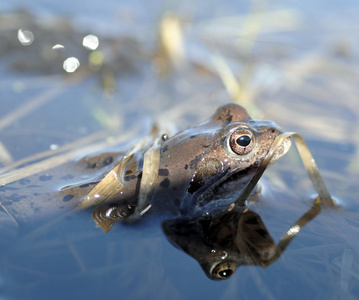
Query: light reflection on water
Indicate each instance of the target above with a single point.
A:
(72, 258)
(90, 42)
(71, 64)
(26, 37)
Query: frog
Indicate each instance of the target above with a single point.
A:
(201, 170)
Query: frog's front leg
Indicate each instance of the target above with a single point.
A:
(115, 197)
(126, 190)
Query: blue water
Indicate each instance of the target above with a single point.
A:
(70, 258)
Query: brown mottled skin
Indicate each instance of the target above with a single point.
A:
(40, 197)
(199, 172)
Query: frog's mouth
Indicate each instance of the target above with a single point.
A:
(228, 189)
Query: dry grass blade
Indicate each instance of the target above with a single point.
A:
(347, 268)
(233, 87)
(259, 20)
(312, 170)
(57, 160)
(171, 50)
(251, 27)
(29, 107)
(253, 23)
(293, 231)
(113, 184)
(44, 154)
(39, 167)
(5, 156)
(151, 164)
(40, 100)
(26, 109)
(172, 39)
(77, 258)
(308, 162)
(110, 186)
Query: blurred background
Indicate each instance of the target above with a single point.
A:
(82, 73)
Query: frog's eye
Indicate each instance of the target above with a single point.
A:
(241, 141)
(224, 270)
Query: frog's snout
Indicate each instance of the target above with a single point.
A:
(282, 148)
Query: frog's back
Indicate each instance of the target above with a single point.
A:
(54, 192)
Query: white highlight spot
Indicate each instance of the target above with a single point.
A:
(26, 37)
(90, 42)
(294, 230)
(71, 64)
(145, 210)
(109, 212)
(54, 146)
(225, 255)
(58, 46)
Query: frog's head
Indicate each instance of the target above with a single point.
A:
(221, 245)
(226, 151)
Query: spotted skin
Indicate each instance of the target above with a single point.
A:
(44, 196)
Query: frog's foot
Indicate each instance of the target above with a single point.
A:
(8, 229)
(106, 215)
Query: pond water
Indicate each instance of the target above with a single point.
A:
(296, 63)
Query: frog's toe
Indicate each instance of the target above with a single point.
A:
(107, 215)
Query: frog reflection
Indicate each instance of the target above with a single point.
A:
(237, 238)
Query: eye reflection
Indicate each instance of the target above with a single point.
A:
(244, 140)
